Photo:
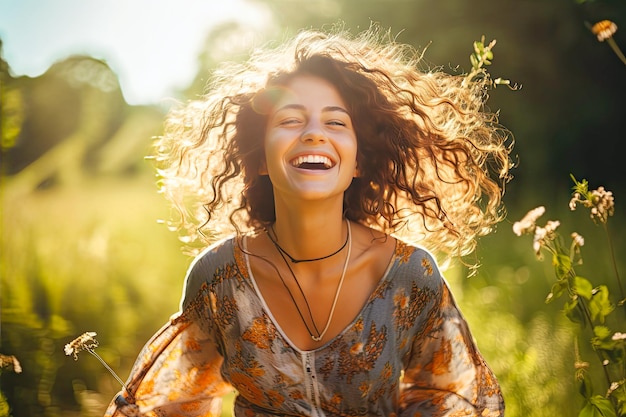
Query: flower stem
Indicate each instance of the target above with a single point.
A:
(616, 49)
(585, 309)
(612, 250)
(108, 368)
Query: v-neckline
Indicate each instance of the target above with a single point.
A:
(246, 271)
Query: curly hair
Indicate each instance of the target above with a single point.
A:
(433, 161)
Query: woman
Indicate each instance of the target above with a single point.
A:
(332, 158)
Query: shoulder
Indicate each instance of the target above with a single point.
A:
(208, 263)
(215, 255)
(415, 263)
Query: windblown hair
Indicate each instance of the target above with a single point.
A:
(432, 160)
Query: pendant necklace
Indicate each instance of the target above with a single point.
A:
(284, 255)
(297, 261)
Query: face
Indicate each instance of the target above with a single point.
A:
(310, 143)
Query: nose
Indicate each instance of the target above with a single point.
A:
(313, 135)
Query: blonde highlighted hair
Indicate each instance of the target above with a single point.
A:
(433, 161)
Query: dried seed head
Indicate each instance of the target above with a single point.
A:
(604, 204)
(576, 197)
(10, 363)
(577, 239)
(581, 367)
(600, 202)
(604, 29)
(85, 341)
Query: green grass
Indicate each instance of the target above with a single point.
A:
(93, 258)
(87, 258)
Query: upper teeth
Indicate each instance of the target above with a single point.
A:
(312, 159)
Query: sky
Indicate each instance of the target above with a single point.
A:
(132, 36)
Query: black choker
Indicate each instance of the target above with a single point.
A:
(297, 261)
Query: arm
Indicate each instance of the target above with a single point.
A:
(446, 374)
(178, 370)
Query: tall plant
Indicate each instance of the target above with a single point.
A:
(589, 305)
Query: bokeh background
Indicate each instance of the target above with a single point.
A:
(82, 247)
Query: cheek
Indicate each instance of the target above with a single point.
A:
(270, 148)
(274, 151)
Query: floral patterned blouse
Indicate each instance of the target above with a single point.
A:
(409, 351)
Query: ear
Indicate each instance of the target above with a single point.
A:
(357, 172)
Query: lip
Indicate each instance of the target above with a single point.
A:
(313, 158)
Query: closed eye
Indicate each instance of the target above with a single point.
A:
(289, 122)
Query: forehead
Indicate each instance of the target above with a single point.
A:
(310, 91)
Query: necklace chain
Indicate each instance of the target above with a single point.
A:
(282, 253)
(297, 261)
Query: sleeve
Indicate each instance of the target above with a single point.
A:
(446, 374)
(178, 370)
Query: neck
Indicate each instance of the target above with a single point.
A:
(311, 232)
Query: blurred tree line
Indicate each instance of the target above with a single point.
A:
(81, 251)
(69, 122)
(570, 111)
(568, 114)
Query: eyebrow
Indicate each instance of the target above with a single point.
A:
(302, 108)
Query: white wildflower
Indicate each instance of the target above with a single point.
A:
(527, 224)
(578, 239)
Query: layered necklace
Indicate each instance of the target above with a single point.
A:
(317, 336)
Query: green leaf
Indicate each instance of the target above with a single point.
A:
(600, 306)
(603, 340)
(474, 61)
(588, 411)
(583, 287)
(581, 187)
(572, 311)
(562, 265)
(558, 288)
(597, 406)
(603, 405)
(602, 332)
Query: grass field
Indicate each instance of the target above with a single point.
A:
(92, 257)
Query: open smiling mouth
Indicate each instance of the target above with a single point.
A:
(315, 162)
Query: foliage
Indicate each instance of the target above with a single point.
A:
(75, 259)
(586, 304)
(481, 57)
(91, 256)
